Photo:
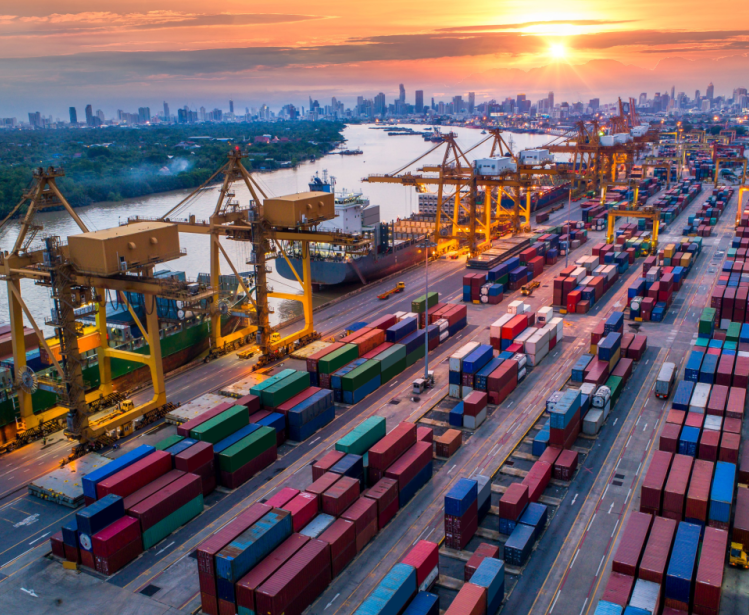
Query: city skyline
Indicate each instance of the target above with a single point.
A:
(178, 51)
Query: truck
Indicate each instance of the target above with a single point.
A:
(398, 288)
(665, 380)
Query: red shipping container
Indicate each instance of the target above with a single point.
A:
(232, 480)
(619, 588)
(322, 484)
(259, 416)
(709, 578)
(724, 372)
(115, 536)
(741, 374)
(384, 322)
(504, 375)
(471, 600)
(361, 513)
(565, 466)
(152, 487)
(448, 443)
(72, 554)
(631, 545)
(325, 463)
(163, 503)
(246, 586)
(513, 501)
(385, 452)
(341, 536)
(676, 417)
(109, 565)
(537, 479)
(424, 434)
(657, 550)
(716, 405)
(698, 496)
(194, 457)
(744, 467)
(669, 438)
(410, 464)
(136, 476)
(303, 509)
(638, 347)
(297, 399)
(514, 327)
(57, 545)
(732, 425)
(207, 475)
(353, 337)
(424, 556)
(474, 402)
(251, 402)
(694, 419)
(709, 442)
(740, 532)
(381, 348)
(597, 372)
(297, 584)
(340, 496)
(729, 448)
(483, 551)
(675, 492)
(363, 538)
(550, 455)
(283, 497)
(623, 369)
(384, 491)
(184, 429)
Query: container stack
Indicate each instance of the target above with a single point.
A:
(461, 514)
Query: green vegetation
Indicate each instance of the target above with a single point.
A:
(114, 163)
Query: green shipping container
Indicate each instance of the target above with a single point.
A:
(222, 426)
(269, 382)
(337, 359)
(276, 394)
(168, 524)
(419, 306)
(701, 342)
(249, 447)
(503, 279)
(167, 442)
(393, 355)
(415, 356)
(706, 321)
(733, 333)
(615, 384)
(361, 375)
(363, 437)
(392, 371)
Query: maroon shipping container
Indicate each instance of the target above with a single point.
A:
(744, 467)
(694, 419)
(565, 438)
(623, 369)
(732, 425)
(460, 530)
(297, 584)
(597, 372)
(669, 438)
(740, 531)
(537, 479)
(207, 475)
(385, 494)
(72, 554)
(631, 545)
(637, 348)
(194, 457)
(424, 434)
(729, 448)
(698, 496)
(340, 496)
(736, 403)
(283, 497)
(652, 486)
(163, 503)
(251, 402)
(115, 536)
(109, 565)
(245, 588)
(657, 550)
(341, 536)
(321, 485)
(259, 416)
(232, 480)
(710, 570)
(471, 600)
(709, 442)
(741, 373)
(619, 588)
(362, 513)
(134, 477)
(716, 405)
(410, 464)
(303, 509)
(57, 545)
(566, 464)
(298, 398)
(483, 551)
(184, 429)
(424, 556)
(513, 501)
(724, 371)
(676, 417)
(506, 373)
(385, 452)
(550, 455)
(474, 402)
(675, 492)
(208, 548)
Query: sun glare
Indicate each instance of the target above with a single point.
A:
(557, 51)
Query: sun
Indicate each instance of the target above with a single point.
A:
(557, 51)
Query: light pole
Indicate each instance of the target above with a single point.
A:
(569, 215)
(426, 244)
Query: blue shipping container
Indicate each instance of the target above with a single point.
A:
(721, 492)
(299, 433)
(455, 417)
(683, 394)
(417, 482)
(401, 329)
(578, 369)
(708, 369)
(235, 437)
(692, 369)
(615, 322)
(608, 346)
(276, 420)
(481, 381)
(491, 575)
(318, 525)
(181, 446)
(540, 442)
(311, 407)
(354, 397)
(395, 590)
(607, 608)
(460, 497)
(535, 516)
(424, 603)
(99, 515)
(681, 565)
(519, 545)
(89, 480)
(477, 359)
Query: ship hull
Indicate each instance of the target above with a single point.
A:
(333, 273)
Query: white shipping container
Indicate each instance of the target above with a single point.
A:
(521, 375)
(496, 328)
(520, 358)
(527, 309)
(444, 335)
(587, 388)
(456, 359)
(535, 358)
(646, 596)
(700, 396)
(485, 289)
(454, 391)
(474, 422)
(586, 281)
(545, 314)
(592, 422)
(713, 423)
(512, 308)
(399, 316)
(606, 410)
(525, 336)
(484, 298)
(442, 324)
(742, 353)
(465, 392)
(484, 489)
(578, 274)
(575, 244)
(725, 323)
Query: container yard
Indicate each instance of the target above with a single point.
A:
(575, 446)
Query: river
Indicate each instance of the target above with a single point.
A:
(382, 154)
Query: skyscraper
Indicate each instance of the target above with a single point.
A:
(710, 91)
(402, 94)
(89, 115)
(73, 115)
(166, 111)
(35, 119)
(550, 98)
(471, 101)
(643, 99)
(379, 104)
(231, 107)
(697, 95)
(144, 115)
(419, 101)
(520, 102)
(673, 92)
(457, 104)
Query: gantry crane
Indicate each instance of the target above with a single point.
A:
(739, 208)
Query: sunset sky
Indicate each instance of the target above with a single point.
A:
(72, 52)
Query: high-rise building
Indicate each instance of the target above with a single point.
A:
(673, 92)
(89, 115)
(520, 101)
(144, 115)
(737, 94)
(434, 108)
(419, 101)
(706, 104)
(166, 111)
(457, 104)
(73, 115)
(471, 101)
(35, 119)
(402, 96)
(710, 91)
(550, 98)
(379, 104)
(643, 99)
(231, 107)
(697, 96)
(594, 104)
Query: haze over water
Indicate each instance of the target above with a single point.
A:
(382, 154)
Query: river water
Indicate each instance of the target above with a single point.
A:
(382, 154)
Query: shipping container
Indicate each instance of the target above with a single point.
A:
(681, 566)
(632, 543)
(709, 579)
(90, 480)
(471, 600)
(341, 536)
(657, 550)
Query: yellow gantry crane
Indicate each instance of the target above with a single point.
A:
(649, 213)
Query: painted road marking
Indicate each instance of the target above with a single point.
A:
(584, 605)
(331, 602)
(611, 508)
(40, 537)
(646, 426)
(574, 558)
(615, 526)
(601, 564)
(573, 499)
(605, 491)
(615, 420)
(165, 548)
(553, 604)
